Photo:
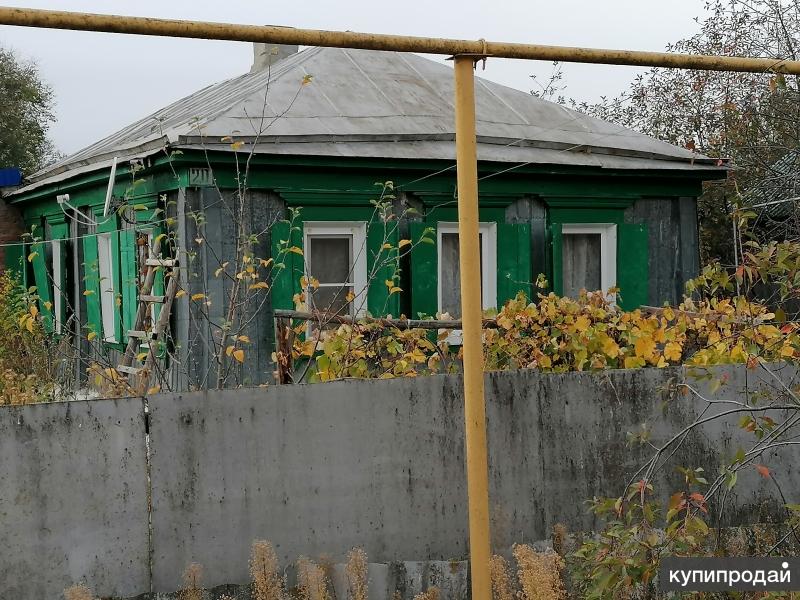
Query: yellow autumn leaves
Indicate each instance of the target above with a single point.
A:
(564, 334)
(369, 351)
(233, 351)
(588, 333)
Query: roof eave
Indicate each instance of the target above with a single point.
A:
(95, 163)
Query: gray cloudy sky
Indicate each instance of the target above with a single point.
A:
(105, 81)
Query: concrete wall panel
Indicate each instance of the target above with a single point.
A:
(73, 499)
(315, 469)
(319, 469)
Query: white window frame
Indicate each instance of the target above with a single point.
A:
(608, 250)
(105, 268)
(358, 277)
(58, 299)
(488, 233)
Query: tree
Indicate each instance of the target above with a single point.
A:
(751, 118)
(26, 110)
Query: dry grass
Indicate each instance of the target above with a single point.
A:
(267, 583)
(432, 593)
(502, 582)
(312, 580)
(560, 539)
(78, 592)
(328, 567)
(539, 574)
(192, 586)
(356, 570)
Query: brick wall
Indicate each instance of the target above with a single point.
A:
(11, 228)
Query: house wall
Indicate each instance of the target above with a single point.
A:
(674, 256)
(88, 497)
(11, 228)
(654, 212)
(216, 222)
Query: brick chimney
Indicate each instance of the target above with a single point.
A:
(265, 55)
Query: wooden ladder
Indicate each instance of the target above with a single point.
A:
(144, 332)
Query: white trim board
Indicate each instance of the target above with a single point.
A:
(608, 249)
(357, 231)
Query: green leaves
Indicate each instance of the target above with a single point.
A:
(26, 103)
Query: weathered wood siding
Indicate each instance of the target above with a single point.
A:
(673, 245)
(533, 211)
(211, 236)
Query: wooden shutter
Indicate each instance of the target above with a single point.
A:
(379, 302)
(558, 265)
(16, 262)
(129, 271)
(288, 267)
(43, 284)
(60, 231)
(633, 273)
(513, 261)
(110, 225)
(424, 272)
(91, 285)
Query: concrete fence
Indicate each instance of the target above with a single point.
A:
(123, 494)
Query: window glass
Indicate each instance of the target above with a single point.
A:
(332, 299)
(335, 263)
(104, 259)
(330, 262)
(330, 258)
(582, 263)
(450, 273)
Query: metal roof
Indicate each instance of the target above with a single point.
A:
(373, 104)
(777, 194)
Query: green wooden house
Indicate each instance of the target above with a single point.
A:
(586, 203)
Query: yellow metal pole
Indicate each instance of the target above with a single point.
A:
(55, 19)
(471, 317)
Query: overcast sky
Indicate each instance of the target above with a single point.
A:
(103, 82)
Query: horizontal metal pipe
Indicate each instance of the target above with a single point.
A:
(53, 19)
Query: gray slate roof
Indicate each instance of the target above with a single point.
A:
(374, 104)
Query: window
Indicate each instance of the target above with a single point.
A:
(336, 256)
(449, 276)
(105, 260)
(588, 257)
(57, 265)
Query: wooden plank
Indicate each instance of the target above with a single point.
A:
(148, 298)
(140, 335)
(161, 262)
(129, 370)
(161, 326)
(398, 323)
(143, 308)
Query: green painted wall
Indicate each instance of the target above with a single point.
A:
(330, 189)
